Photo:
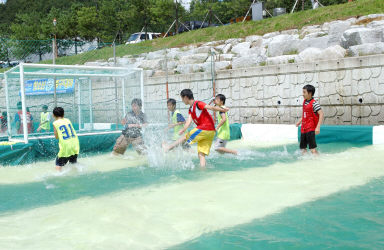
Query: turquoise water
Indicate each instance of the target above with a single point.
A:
(267, 197)
(34, 194)
(353, 219)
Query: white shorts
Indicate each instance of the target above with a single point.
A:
(220, 143)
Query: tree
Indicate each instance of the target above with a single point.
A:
(88, 23)
(163, 14)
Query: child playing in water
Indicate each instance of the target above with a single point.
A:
(134, 121)
(19, 120)
(311, 120)
(223, 131)
(68, 140)
(44, 120)
(204, 134)
(178, 120)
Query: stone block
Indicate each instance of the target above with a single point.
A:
(283, 44)
(361, 111)
(376, 72)
(225, 57)
(336, 30)
(227, 48)
(247, 61)
(270, 112)
(245, 93)
(370, 98)
(334, 99)
(202, 50)
(361, 74)
(327, 77)
(241, 48)
(376, 86)
(376, 110)
(340, 74)
(270, 80)
(184, 68)
(313, 42)
(332, 53)
(256, 41)
(160, 54)
(225, 83)
(366, 49)
(309, 55)
(357, 36)
(152, 64)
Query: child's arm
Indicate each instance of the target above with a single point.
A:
(123, 122)
(299, 122)
(186, 125)
(216, 108)
(223, 119)
(55, 132)
(41, 124)
(175, 124)
(321, 118)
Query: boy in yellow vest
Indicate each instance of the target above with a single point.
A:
(223, 130)
(68, 140)
(178, 120)
(45, 125)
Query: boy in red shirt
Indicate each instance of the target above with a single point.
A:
(205, 131)
(310, 121)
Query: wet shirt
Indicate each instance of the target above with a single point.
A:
(132, 118)
(316, 105)
(201, 117)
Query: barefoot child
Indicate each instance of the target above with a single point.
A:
(204, 134)
(310, 121)
(223, 131)
(68, 141)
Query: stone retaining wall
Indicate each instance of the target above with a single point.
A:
(350, 90)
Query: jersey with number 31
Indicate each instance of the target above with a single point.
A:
(68, 140)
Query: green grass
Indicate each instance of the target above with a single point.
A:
(292, 52)
(289, 21)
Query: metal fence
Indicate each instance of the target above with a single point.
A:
(13, 51)
(94, 98)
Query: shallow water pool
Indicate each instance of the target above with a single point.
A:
(267, 197)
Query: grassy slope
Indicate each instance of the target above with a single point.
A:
(284, 22)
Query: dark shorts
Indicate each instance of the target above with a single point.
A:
(61, 161)
(308, 139)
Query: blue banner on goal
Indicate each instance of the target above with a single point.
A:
(46, 87)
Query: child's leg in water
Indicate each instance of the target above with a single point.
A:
(226, 150)
(179, 141)
(202, 159)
